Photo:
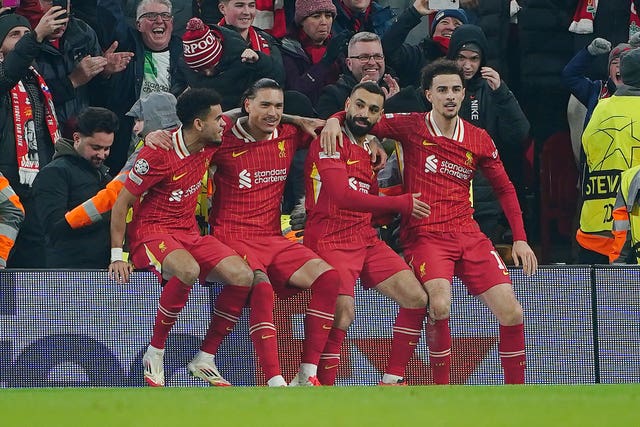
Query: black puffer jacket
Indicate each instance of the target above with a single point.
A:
(546, 46)
(62, 185)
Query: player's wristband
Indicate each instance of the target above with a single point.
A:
(116, 254)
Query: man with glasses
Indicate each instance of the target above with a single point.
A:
(154, 68)
(365, 62)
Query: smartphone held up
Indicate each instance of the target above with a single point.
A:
(444, 4)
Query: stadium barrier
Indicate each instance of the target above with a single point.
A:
(79, 328)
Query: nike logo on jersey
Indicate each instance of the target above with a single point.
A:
(352, 162)
(428, 143)
(264, 337)
(167, 323)
(413, 343)
(177, 177)
(238, 153)
(331, 366)
(326, 327)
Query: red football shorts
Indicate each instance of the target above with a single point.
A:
(470, 256)
(373, 264)
(277, 256)
(206, 250)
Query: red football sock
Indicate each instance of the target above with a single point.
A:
(406, 334)
(439, 343)
(173, 298)
(226, 313)
(262, 330)
(319, 316)
(330, 357)
(512, 356)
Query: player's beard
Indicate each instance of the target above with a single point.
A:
(359, 126)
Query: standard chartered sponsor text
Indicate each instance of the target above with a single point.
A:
(455, 170)
(273, 175)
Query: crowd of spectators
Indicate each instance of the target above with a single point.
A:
(521, 60)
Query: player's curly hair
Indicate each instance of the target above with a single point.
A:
(196, 104)
(436, 68)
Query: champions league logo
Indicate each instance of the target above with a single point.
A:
(141, 167)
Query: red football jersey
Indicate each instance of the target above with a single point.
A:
(249, 178)
(442, 168)
(168, 183)
(328, 226)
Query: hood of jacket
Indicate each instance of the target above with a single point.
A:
(468, 33)
(64, 147)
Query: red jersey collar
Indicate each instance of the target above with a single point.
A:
(178, 144)
(239, 131)
(458, 132)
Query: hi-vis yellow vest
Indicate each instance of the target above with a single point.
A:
(611, 142)
(627, 218)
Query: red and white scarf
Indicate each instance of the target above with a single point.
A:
(24, 128)
(257, 42)
(586, 12)
(270, 17)
(358, 20)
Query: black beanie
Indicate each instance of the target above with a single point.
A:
(9, 22)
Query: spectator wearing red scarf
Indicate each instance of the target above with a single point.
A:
(239, 15)
(362, 15)
(409, 59)
(312, 58)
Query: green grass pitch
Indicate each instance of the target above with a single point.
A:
(530, 405)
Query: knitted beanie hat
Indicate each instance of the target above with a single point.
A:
(458, 14)
(306, 8)
(617, 51)
(201, 48)
(9, 22)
